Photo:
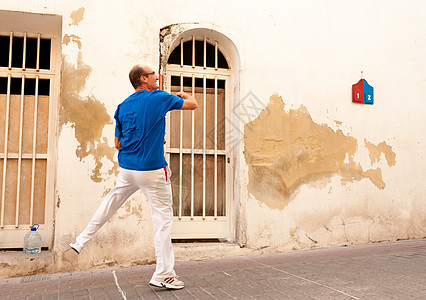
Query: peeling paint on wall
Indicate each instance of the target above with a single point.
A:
(167, 35)
(377, 150)
(285, 150)
(132, 209)
(77, 16)
(88, 116)
(72, 38)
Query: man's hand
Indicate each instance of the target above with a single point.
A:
(182, 95)
(117, 143)
(189, 102)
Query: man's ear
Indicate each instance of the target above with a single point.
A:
(142, 78)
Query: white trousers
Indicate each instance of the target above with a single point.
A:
(157, 188)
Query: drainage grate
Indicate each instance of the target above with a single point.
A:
(33, 278)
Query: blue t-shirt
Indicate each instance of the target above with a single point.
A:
(140, 125)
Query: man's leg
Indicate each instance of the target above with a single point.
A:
(156, 186)
(111, 203)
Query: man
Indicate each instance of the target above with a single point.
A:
(139, 137)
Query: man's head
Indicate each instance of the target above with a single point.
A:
(143, 78)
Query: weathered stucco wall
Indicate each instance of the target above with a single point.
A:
(321, 170)
(304, 175)
(314, 169)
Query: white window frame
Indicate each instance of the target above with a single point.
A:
(45, 26)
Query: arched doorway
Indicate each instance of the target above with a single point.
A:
(197, 142)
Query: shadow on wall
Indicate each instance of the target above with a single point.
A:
(287, 149)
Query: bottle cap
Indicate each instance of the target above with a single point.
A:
(33, 228)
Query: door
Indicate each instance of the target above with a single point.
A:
(196, 150)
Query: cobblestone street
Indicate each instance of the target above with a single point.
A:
(395, 270)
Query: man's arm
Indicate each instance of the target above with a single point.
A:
(189, 102)
(117, 143)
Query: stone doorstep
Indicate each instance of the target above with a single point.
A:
(200, 251)
(19, 263)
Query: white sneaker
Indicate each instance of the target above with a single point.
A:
(168, 283)
(76, 247)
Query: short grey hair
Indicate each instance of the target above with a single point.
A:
(135, 75)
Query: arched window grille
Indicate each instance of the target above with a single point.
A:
(196, 142)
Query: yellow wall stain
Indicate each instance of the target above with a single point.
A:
(72, 38)
(77, 16)
(377, 150)
(130, 209)
(87, 114)
(285, 150)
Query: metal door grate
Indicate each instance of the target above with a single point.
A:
(25, 78)
(196, 142)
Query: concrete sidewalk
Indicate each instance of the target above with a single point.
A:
(395, 270)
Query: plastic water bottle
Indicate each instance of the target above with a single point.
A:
(32, 241)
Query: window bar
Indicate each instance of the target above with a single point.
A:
(10, 50)
(21, 125)
(181, 52)
(34, 151)
(192, 150)
(180, 152)
(215, 148)
(25, 51)
(204, 146)
(205, 52)
(215, 55)
(6, 133)
(193, 51)
(38, 53)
